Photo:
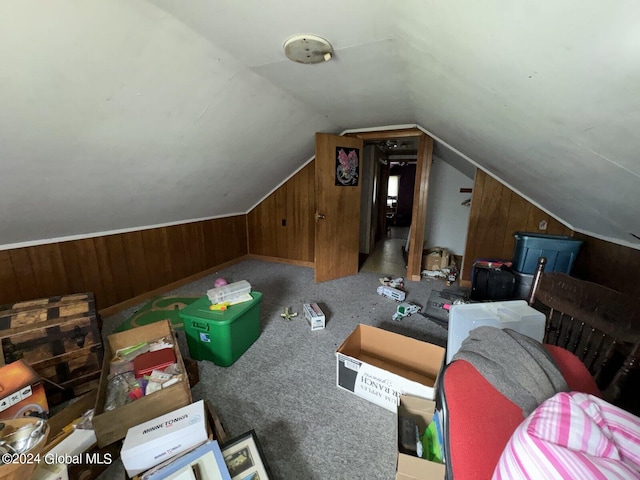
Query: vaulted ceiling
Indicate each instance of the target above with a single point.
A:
(121, 114)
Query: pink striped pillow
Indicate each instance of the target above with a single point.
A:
(573, 435)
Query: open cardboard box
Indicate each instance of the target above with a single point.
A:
(111, 426)
(379, 366)
(410, 467)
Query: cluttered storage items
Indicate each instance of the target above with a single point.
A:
(84, 403)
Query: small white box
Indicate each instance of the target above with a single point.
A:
(314, 316)
(150, 443)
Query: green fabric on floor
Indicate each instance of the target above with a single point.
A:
(159, 308)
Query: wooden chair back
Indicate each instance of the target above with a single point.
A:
(599, 325)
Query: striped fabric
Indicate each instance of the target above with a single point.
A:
(573, 436)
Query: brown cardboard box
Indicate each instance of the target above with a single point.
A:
(414, 468)
(113, 425)
(21, 391)
(435, 258)
(379, 366)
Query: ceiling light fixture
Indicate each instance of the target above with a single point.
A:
(308, 49)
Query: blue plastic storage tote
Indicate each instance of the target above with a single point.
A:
(560, 250)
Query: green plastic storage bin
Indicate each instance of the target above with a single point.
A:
(221, 336)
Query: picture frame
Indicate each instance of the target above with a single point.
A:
(245, 459)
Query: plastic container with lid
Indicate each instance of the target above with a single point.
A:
(514, 314)
(229, 293)
(560, 250)
(221, 336)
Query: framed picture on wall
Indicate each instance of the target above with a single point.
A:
(347, 166)
(244, 458)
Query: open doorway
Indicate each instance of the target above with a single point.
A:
(387, 205)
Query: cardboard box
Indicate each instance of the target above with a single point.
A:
(21, 391)
(150, 443)
(435, 258)
(45, 471)
(379, 366)
(113, 425)
(314, 316)
(206, 458)
(409, 467)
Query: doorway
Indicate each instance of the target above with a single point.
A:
(388, 204)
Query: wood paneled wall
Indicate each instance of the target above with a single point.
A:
(283, 225)
(119, 267)
(496, 214)
(608, 264)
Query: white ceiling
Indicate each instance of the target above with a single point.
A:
(122, 114)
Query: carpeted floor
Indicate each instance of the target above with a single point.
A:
(284, 386)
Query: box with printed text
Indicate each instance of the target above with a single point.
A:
(379, 366)
(150, 443)
(314, 316)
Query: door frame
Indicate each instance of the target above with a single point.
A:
(420, 190)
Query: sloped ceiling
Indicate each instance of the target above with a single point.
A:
(122, 114)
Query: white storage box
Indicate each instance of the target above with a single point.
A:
(314, 316)
(150, 443)
(514, 314)
(229, 293)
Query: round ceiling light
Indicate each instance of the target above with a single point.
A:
(308, 49)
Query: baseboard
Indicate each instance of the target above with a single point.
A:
(113, 309)
(288, 261)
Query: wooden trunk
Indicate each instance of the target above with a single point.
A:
(59, 337)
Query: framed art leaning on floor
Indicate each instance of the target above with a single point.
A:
(244, 458)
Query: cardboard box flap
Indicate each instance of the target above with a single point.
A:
(393, 351)
(415, 468)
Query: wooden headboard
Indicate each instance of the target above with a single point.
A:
(599, 325)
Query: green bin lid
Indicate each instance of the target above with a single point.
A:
(200, 310)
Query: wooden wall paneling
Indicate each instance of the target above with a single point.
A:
(9, 290)
(177, 253)
(485, 239)
(294, 201)
(230, 238)
(193, 238)
(261, 233)
(119, 267)
(516, 221)
(25, 275)
(211, 253)
(136, 262)
(156, 251)
(281, 246)
(122, 286)
(88, 260)
(299, 213)
(109, 294)
(614, 266)
(308, 217)
(496, 214)
(72, 267)
(557, 228)
(48, 267)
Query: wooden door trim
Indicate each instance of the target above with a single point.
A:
(420, 191)
(387, 134)
(419, 212)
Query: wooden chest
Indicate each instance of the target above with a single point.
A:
(60, 338)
